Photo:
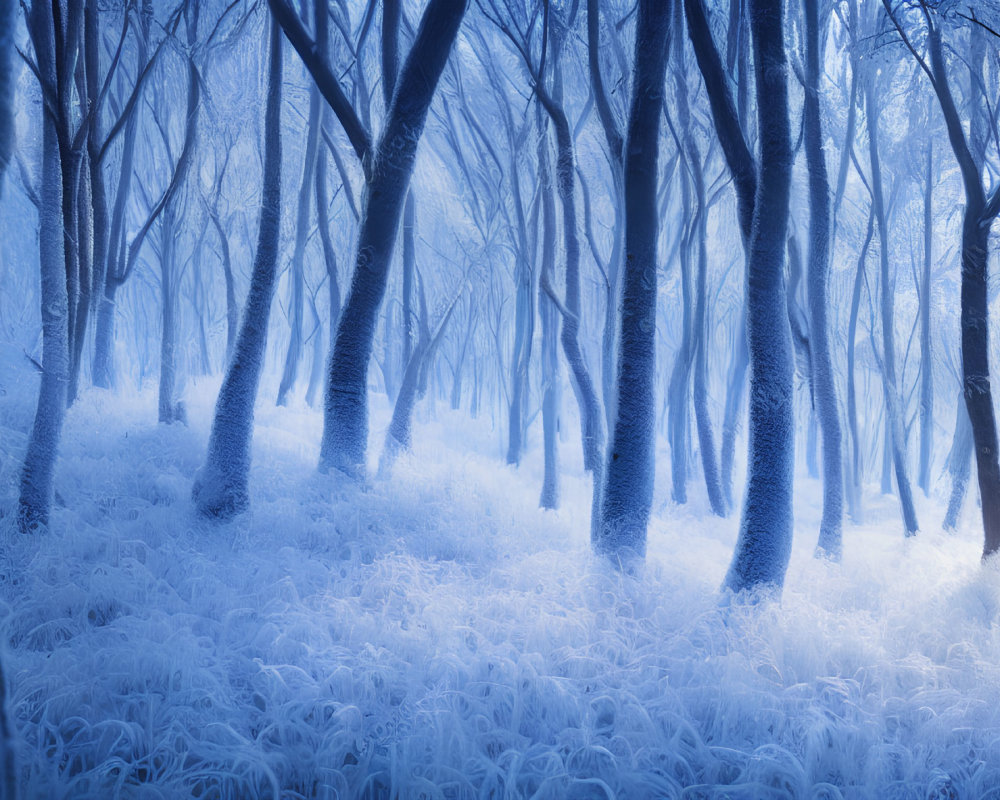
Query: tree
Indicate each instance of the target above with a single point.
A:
(221, 487)
(818, 277)
(8, 12)
(762, 194)
(895, 435)
(628, 491)
(35, 499)
(765, 538)
(387, 167)
(981, 210)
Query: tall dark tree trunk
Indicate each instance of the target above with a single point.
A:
(221, 487)
(628, 489)
(765, 538)
(818, 277)
(36, 492)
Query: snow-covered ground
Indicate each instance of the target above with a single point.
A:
(436, 635)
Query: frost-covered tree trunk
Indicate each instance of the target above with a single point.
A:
(678, 391)
(398, 437)
(926, 352)
(615, 143)
(409, 271)
(296, 305)
(591, 417)
(549, 317)
(232, 310)
(92, 200)
(221, 487)
(345, 418)
(629, 469)
(114, 271)
(36, 491)
(853, 480)
(170, 220)
(727, 117)
(893, 410)
(524, 310)
(959, 463)
(818, 276)
(765, 538)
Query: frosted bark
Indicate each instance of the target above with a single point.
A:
(36, 490)
(221, 487)
(345, 418)
(959, 463)
(894, 418)
(296, 306)
(818, 278)
(926, 351)
(765, 538)
(629, 469)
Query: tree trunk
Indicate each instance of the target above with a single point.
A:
(894, 416)
(550, 344)
(8, 17)
(765, 538)
(628, 489)
(926, 354)
(221, 487)
(678, 391)
(296, 306)
(976, 372)
(854, 473)
(345, 418)
(818, 278)
(36, 491)
(959, 463)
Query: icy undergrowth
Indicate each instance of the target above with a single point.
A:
(437, 636)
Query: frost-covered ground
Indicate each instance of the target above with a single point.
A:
(438, 636)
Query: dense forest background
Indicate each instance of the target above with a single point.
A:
(499, 398)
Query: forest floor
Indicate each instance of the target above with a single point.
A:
(436, 635)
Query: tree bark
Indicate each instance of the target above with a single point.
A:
(35, 499)
(765, 538)
(345, 418)
(818, 278)
(628, 489)
(221, 488)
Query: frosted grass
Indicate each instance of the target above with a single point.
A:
(435, 635)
